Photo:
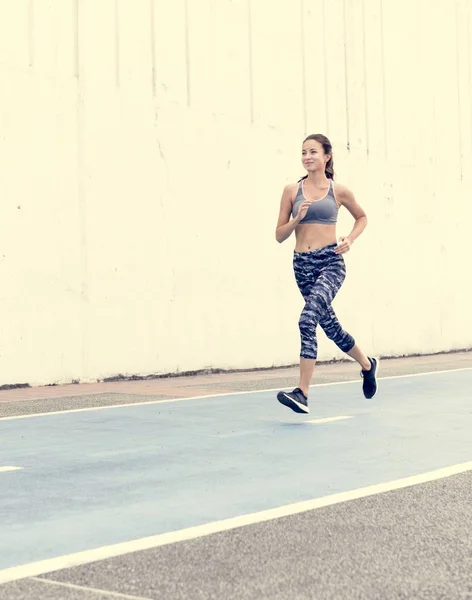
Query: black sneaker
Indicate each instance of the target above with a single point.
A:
(369, 385)
(295, 400)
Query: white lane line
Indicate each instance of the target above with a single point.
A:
(6, 469)
(106, 552)
(327, 420)
(89, 589)
(220, 395)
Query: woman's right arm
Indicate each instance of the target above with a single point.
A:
(285, 226)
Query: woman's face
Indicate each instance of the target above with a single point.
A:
(313, 156)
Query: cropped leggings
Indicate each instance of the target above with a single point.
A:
(319, 275)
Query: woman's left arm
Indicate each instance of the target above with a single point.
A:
(346, 198)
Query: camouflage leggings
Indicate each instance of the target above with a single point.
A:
(319, 275)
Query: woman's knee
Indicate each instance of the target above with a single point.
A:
(345, 342)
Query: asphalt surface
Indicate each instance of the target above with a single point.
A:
(412, 543)
(101, 477)
(67, 403)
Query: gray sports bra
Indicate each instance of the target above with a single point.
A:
(324, 210)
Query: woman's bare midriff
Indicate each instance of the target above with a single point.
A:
(311, 236)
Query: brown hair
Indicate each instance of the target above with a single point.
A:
(328, 149)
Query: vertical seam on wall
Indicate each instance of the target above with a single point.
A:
(302, 15)
(117, 43)
(384, 100)
(153, 47)
(458, 89)
(30, 33)
(366, 96)
(83, 231)
(470, 73)
(250, 70)
(346, 79)
(187, 51)
(76, 39)
(82, 206)
(434, 129)
(325, 56)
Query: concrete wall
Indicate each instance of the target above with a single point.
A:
(144, 146)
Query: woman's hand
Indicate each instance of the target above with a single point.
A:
(344, 245)
(302, 210)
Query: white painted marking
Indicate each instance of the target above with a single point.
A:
(220, 395)
(6, 469)
(89, 589)
(88, 556)
(327, 420)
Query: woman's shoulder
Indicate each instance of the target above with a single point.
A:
(341, 188)
(291, 190)
(342, 192)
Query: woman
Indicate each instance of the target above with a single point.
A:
(313, 203)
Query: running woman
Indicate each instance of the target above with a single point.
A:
(310, 208)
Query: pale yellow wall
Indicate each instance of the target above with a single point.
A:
(144, 146)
